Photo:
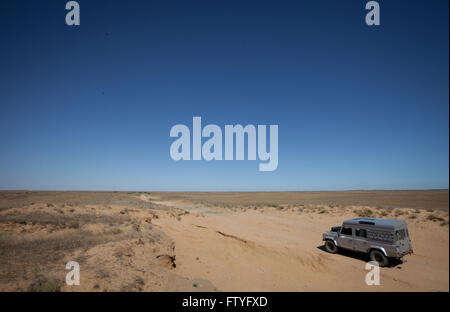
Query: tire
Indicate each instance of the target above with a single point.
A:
(331, 247)
(378, 256)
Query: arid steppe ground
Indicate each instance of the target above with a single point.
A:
(212, 241)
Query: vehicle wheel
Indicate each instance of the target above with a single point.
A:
(331, 247)
(378, 256)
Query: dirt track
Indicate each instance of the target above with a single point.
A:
(130, 241)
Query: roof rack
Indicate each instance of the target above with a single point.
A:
(367, 222)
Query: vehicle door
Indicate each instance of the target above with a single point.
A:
(345, 239)
(360, 240)
(402, 241)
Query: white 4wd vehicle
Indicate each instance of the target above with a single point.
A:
(380, 238)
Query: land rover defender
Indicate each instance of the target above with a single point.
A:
(382, 239)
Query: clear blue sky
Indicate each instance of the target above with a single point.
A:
(91, 107)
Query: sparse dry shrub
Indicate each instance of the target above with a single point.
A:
(45, 284)
(399, 213)
(364, 213)
(434, 218)
(20, 220)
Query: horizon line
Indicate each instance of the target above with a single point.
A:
(227, 191)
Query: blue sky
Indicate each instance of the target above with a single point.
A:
(91, 107)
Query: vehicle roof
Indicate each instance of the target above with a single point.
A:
(385, 223)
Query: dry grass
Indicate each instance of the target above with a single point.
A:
(433, 199)
(38, 238)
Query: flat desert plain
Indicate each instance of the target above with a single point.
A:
(212, 241)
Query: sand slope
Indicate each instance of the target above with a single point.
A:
(281, 251)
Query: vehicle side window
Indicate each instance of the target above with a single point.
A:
(346, 231)
(361, 233)
(400, 234)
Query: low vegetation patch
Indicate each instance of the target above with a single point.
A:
(434, 218)
(43, 284)
(364, 213)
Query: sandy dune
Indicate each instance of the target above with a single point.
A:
(271, 250)
(129, 241)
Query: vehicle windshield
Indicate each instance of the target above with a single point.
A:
(335, 229)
